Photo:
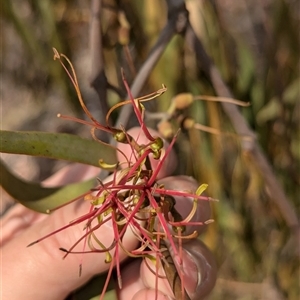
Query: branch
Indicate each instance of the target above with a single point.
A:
(176, 24)
(98, 78)
(248, 142)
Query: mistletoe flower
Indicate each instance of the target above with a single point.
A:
(138, 201)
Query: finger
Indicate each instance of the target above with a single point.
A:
(16, 219)
(43, 262)
(206, 269)
(131, 281)
(19, 217)
(72, 173)
(199, 272)
(133, 286)
(149, 294)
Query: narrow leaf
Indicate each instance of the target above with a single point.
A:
(56, 145)
(37, 197)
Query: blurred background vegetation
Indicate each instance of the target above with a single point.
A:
(255, 45)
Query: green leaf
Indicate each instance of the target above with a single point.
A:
(56, 145)
(37, 197)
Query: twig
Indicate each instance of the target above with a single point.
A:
(98, 79)
(248, 144)
(176, 22)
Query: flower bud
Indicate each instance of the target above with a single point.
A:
(183, 100)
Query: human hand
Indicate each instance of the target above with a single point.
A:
(38, 272)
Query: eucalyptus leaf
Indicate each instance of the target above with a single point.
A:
(37, 197)
(56, 145)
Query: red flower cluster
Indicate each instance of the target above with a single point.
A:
(138, 198)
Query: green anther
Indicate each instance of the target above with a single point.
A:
(100, 218)
(108, 257)
(156, 154)
(201, 189)
(178, 228)
(135, 199)
(157, 145)
(120, 137)
(106, 166)
(99, 200)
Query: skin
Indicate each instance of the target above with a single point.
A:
(38, 272)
